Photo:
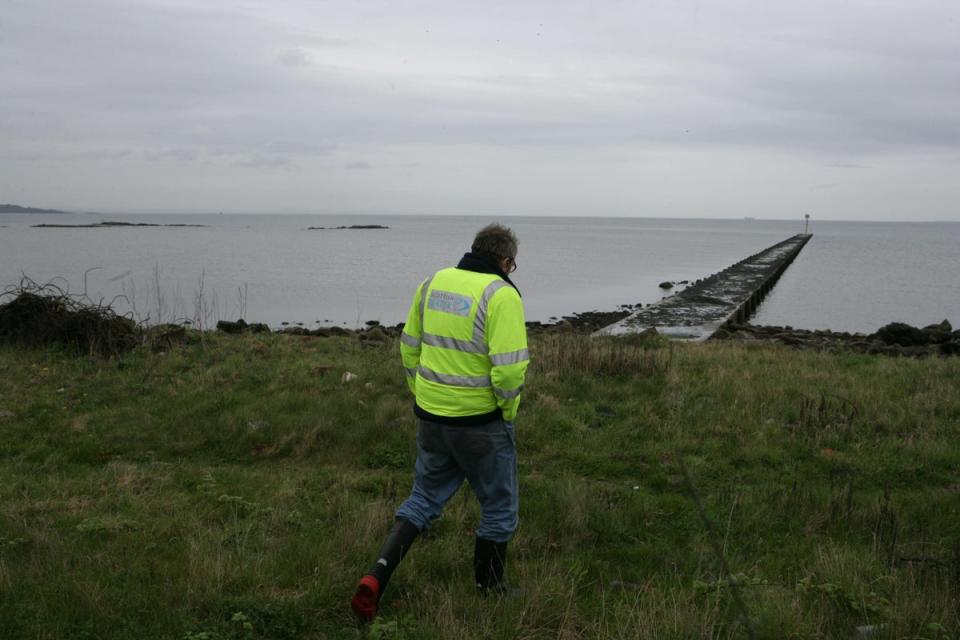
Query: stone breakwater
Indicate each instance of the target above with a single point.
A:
(733, 294)
(894, 339)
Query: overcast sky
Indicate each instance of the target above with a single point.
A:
(728, 108)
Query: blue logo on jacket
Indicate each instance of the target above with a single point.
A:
(449, 302)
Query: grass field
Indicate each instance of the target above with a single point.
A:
(236, 487)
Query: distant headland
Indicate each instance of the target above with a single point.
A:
(13, 208)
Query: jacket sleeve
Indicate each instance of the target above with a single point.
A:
(509, 357)
(410, 339)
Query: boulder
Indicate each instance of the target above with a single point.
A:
(666, 285)
(938, 333)
(898, 333)
(232, 327)
(943, 326)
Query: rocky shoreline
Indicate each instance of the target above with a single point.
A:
(41, 316)
(585, 323)
(894, 339)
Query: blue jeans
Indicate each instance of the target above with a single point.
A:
(485, 456)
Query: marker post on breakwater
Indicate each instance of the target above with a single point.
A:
(734, 294)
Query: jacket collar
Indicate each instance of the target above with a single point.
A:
(480, 264)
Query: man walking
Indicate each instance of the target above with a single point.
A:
(464, 349)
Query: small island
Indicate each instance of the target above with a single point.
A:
(102, 225)
(13, 208)
(353, 226)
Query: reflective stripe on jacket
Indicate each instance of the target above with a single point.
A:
(464, 346)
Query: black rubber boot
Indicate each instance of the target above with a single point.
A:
(489, 558)
(396, 545)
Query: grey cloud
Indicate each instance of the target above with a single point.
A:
(294, 57)
(257, 161)
(772, 94)
(285, 84)
(176, 155)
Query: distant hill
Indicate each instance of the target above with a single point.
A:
(13, 208)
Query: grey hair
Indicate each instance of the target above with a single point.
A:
(495, 241)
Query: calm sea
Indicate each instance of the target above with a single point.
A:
(854, 276)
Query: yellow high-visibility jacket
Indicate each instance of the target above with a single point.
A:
(464, 347)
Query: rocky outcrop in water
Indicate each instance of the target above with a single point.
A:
(352, 226)
(112, 225)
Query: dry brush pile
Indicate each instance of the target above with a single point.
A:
(37, 315)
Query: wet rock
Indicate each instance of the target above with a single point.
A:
(942, 326)
(666, 285)
(330, 332)
(232, 327)
(585, 322)
(898, 333)
(938, 333)
(824, 340)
